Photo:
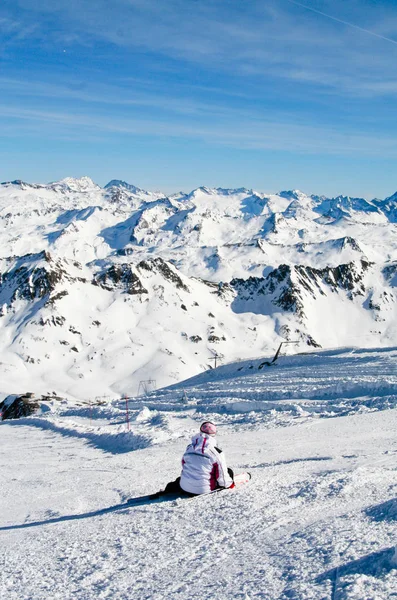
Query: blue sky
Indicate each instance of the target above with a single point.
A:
(173, 94)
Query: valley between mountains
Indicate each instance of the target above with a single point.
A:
(103, 288)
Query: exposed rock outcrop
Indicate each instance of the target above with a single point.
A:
(159, 265)
(15, 407)
(285, 287)
(120, 277)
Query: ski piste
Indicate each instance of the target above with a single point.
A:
(239, 480)
(148, 499)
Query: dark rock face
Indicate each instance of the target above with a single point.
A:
(170, 275)
(350, 242)
(15, 407)
(117, 195)
(285, 285)
(347, 277)
(215, 338)
(56, 297)
(29, 280)
(289, 298)
(159, 265)
(120, 277)
(55, 320)
(145, 265)
(277, 286)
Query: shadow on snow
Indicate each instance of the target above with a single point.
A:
(115, 443)
(372, 565)
(133, 502)
(386, 511)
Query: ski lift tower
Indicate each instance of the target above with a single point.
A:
(279, 349)
(147, 386)
(216, 357)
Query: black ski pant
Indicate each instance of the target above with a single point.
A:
(174, 487)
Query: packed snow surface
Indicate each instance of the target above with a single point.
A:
(317, 521)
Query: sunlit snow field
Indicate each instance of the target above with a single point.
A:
(317, 521)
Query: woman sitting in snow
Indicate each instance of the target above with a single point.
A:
(203, 466)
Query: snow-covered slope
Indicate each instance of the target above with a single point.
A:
(318, 519)
(102, 288)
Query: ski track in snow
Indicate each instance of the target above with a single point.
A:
(317, 521)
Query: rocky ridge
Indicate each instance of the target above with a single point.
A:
(102, 288)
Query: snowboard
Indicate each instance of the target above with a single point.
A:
(241, 479)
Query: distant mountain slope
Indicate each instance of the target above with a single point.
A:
(101, 288)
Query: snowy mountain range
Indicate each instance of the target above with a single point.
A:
(103, 288)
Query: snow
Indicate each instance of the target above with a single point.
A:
(318, 519)
(81, 339)
(119, 299)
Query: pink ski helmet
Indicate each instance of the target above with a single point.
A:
(208, 427)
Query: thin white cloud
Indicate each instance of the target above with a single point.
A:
(241, 39)
(124, 97)
(260, 135)
(343, 22)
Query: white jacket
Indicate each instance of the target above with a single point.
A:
(203, 466)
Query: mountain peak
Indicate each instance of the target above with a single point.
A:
(392, 198)
(23, 185)
(80, 184)
(123, 184)
(292, 194)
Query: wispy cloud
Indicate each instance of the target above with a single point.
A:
(275, 39)
(247, 134)
(343, 22)
(150, 102)
(122, 96)
(311, 77)
(14, 31)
